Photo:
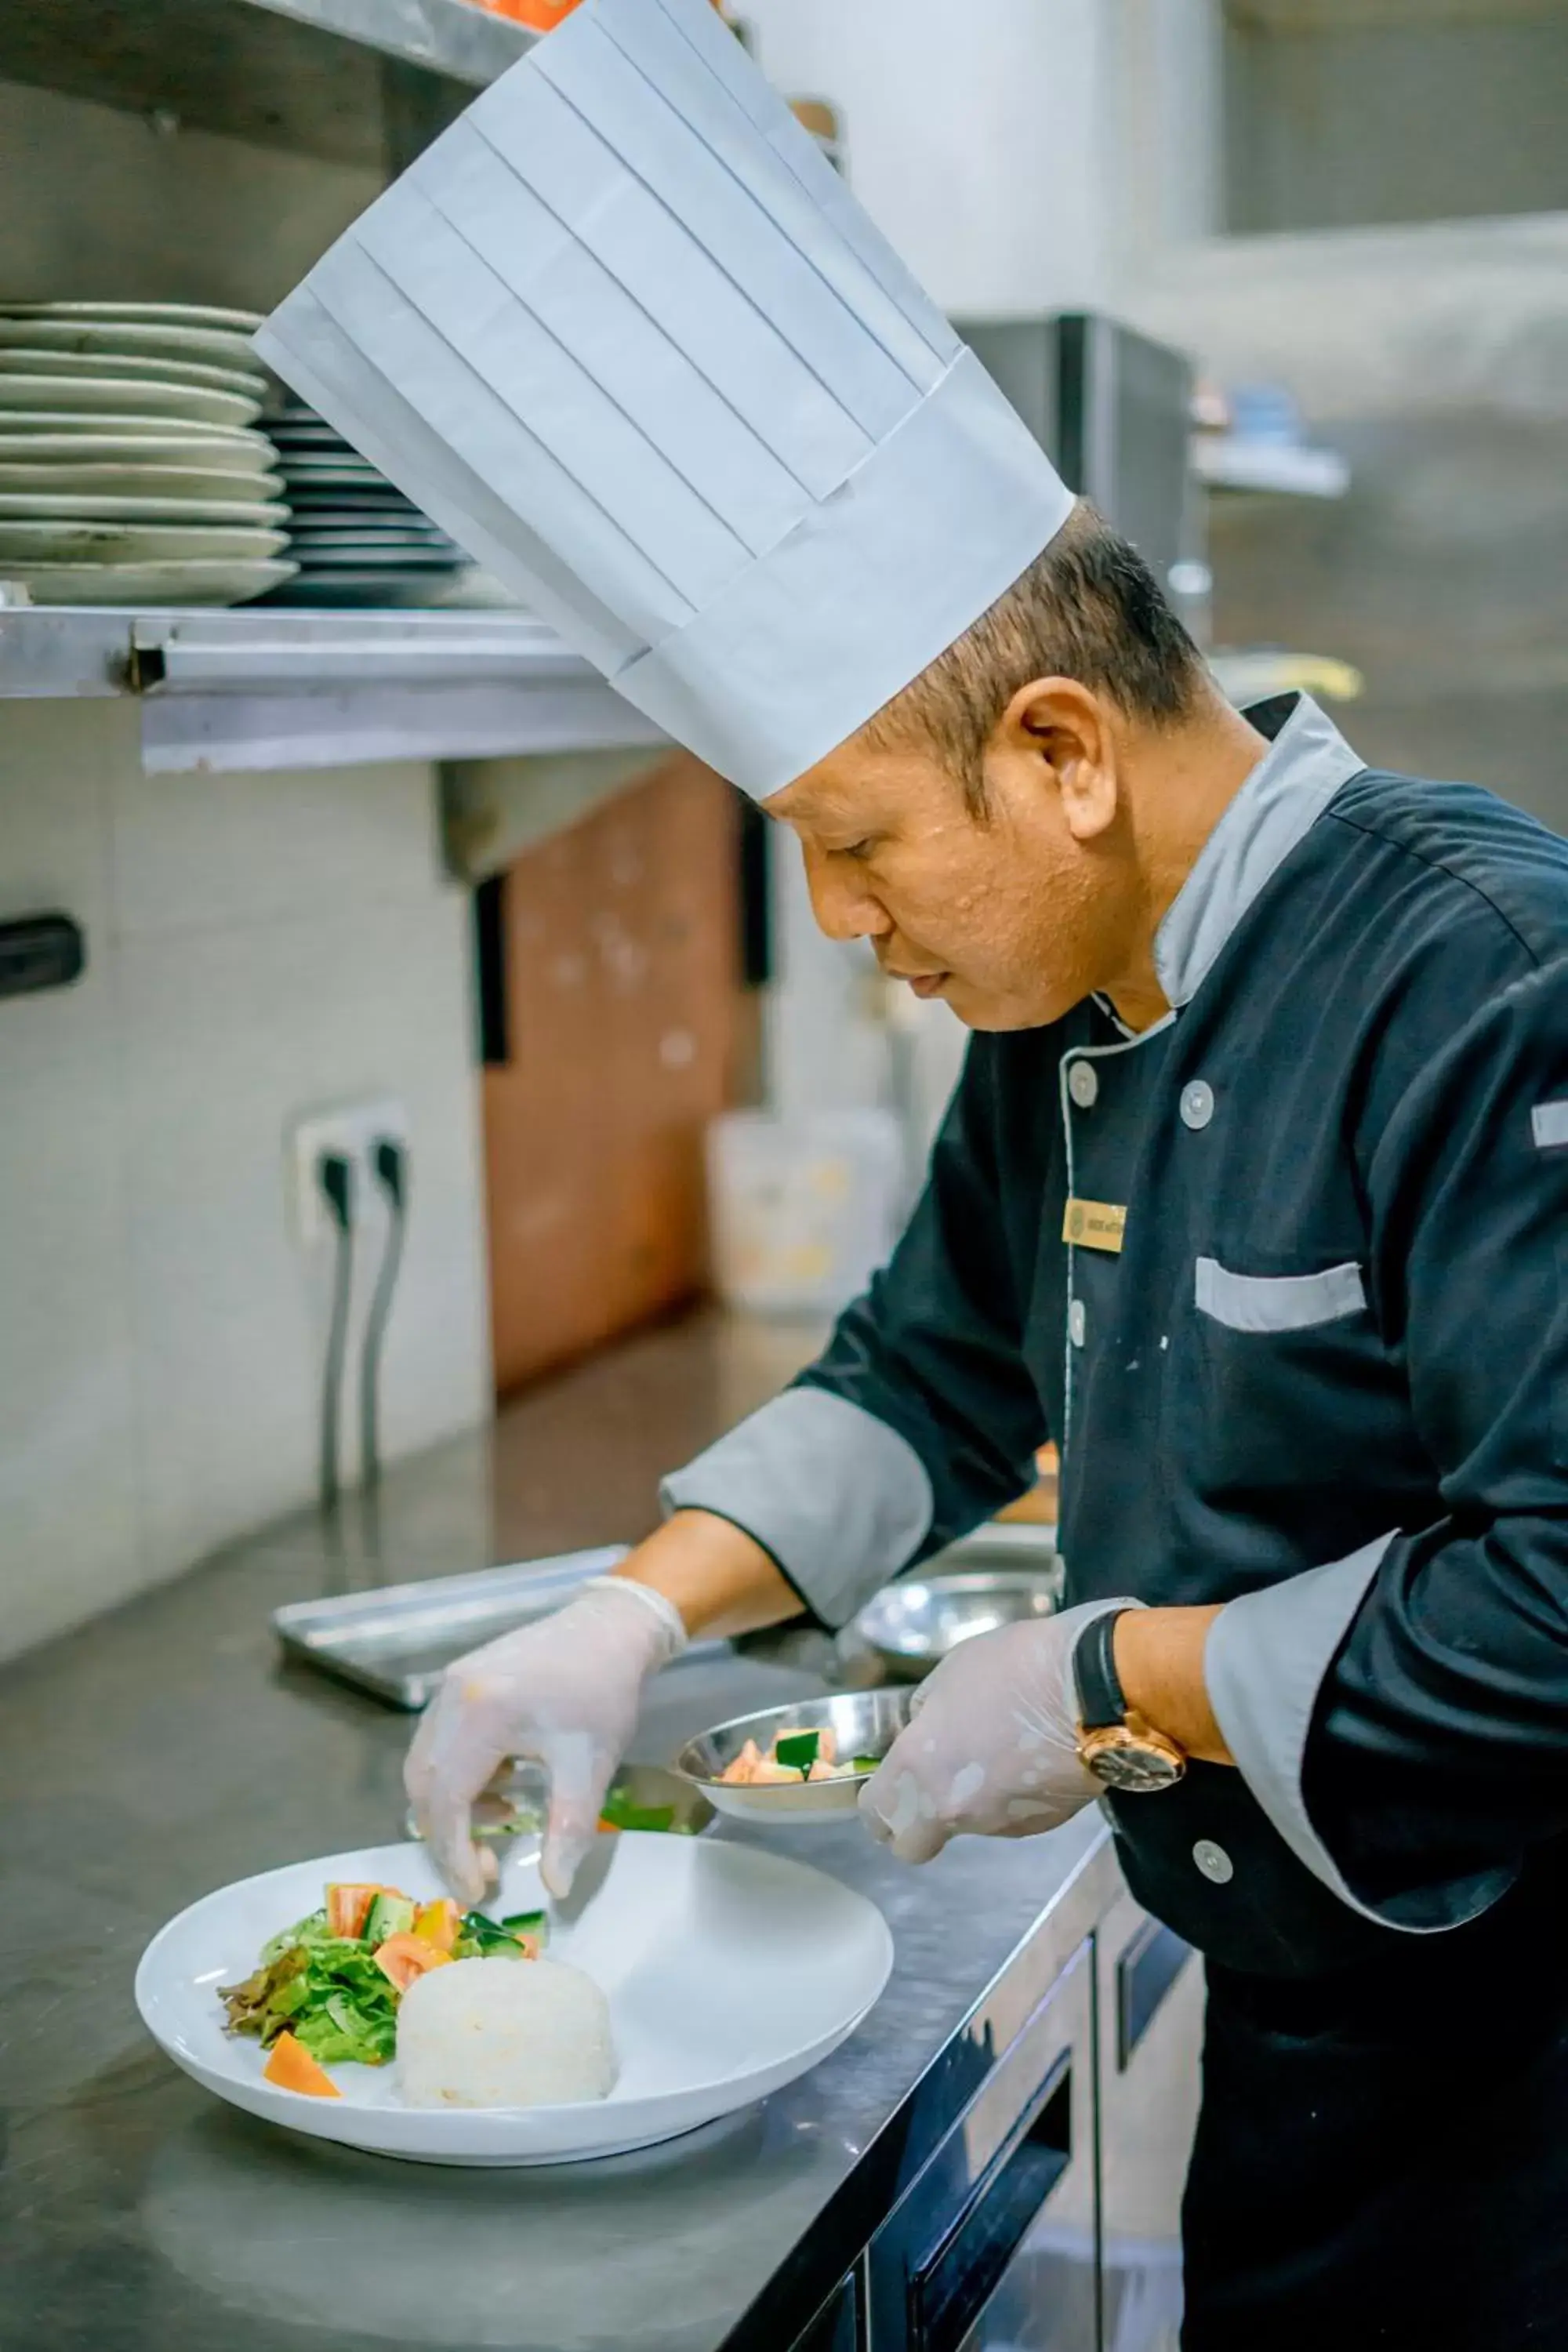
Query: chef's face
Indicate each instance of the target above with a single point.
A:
(1011, 913)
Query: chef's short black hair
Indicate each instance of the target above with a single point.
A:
(1087, 608)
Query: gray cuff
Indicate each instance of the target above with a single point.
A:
(1267, 1658)
(840, 1499)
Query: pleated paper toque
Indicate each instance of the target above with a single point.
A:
(626, 334)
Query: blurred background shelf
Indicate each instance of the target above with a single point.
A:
(347, 81)
(1226, 462)
(1254, 673)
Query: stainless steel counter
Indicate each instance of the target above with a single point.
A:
(164, 1750)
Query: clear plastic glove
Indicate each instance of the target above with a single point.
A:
(991, 1750)
(565, 1692)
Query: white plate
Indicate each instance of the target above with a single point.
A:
(215, 346)
(329, 473)
(729, 1972)
(372, 591)
(474, 590)
(349, 508)
(54, 398)
(371, 554)
(201, 582)
(186, 473)
(133, 441)
(30, 360)
(192, 314)
(135, 542)
(368, 558)
(260, 513)
(367, 531)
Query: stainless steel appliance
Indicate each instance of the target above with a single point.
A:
(1113, 410)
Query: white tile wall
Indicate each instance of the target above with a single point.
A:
(70, 1527)
(258, 946)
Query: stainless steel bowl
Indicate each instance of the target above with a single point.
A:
(863, 1723)
(914, 1624)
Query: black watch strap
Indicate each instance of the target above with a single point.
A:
(1102, 1702)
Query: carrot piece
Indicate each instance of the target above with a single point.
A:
(348, 1907)
(403, 1958)
(291, 2068)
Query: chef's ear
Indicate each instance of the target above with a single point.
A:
(1060, 726)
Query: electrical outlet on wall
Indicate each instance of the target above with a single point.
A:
(353, 1130)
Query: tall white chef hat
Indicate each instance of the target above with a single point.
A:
(624, 331)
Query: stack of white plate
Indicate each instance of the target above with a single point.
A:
(356, 540)
(131, 472)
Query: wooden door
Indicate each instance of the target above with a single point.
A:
(619, 976)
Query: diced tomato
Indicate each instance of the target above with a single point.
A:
(348, 1907)
(437, 1924)
(291, 2068)
(403, 1958)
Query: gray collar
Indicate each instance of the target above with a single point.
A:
(1306, 764)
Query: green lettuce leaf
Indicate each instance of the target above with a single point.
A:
(328, 1991)
(314, 1930)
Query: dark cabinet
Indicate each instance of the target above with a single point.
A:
(1046, 2216)
(1001, 2219)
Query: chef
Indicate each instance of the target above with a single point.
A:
(1253, 1196)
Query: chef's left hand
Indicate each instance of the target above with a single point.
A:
(992, 1745)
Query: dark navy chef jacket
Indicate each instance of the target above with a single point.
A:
(1324, 1380)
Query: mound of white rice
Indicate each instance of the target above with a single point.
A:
(504, 2033)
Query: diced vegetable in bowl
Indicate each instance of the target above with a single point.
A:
(794, 1756)
(803, 1763)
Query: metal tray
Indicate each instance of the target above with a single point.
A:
(1001, 1543)
(397, 1641)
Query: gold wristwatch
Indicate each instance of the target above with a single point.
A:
(1114, 1742)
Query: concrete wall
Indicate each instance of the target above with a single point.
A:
(1435, 357)
(1343, 125)
(97, 205)
(1011, 151)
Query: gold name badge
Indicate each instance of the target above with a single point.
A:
(1094, 1225)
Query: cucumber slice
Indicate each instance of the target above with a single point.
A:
(486, 1939)
(797, 1751)
(389, 1915)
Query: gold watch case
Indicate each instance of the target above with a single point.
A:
(1132, 1757)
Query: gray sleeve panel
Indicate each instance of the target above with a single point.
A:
(1267, 1658)
(840, 1499)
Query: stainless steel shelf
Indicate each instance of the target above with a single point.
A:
(1226, 462)
(358, 82)
(278, 688)
(275, 688)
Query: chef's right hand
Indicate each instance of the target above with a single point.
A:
(563, 1691)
